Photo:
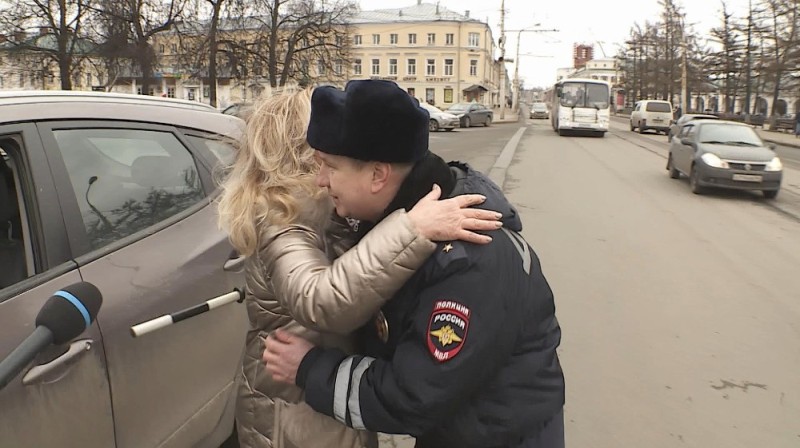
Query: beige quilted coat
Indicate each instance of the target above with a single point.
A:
(292, 284)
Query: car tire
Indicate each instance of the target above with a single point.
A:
(467, 122)
(673, 172)
(633, 128)
(488, 122)
(449, 130)
(641, 129)
(770, 194)
(562, 132)
(433, 125)
(694, 182)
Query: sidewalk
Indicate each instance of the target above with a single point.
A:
(510, 116)
(779, 138)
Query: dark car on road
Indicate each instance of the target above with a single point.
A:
(724, 154)
(673, 129)
(471, 113)
(118, 191)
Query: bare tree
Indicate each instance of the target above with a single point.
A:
(130, 28)
(292, 35)
(53, 29)
(783, 36)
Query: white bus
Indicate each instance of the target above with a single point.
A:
(580, 105)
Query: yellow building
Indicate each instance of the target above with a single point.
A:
(437, 55)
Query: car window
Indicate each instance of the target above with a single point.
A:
(16, 263)
(659, 107)
(126, 180)
(221, 149)
(685, 130)
(734, 134)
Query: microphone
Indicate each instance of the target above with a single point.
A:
(65, 315)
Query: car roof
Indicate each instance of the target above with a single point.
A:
(25, 106)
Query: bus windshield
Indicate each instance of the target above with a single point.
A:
(580, 94)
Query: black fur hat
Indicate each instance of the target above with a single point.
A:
(371, 120)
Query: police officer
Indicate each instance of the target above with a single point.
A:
(465, 354)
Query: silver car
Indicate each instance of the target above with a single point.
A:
(117, 191)
(440, 119)
(724, 154)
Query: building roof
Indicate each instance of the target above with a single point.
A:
(421, 12)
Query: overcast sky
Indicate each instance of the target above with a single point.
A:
(605, 21)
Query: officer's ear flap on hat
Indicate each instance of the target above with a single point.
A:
(327, 115)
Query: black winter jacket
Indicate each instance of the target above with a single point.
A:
(464, 355)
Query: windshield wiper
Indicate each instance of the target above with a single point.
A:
(741, 143)
(714, 142)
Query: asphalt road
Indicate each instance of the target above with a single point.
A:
(680, 313)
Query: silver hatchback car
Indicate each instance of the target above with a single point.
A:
(117, 191)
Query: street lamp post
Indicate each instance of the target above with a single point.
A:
(515, 97)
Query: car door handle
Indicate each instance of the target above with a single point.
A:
(46, 372)
(234, 264)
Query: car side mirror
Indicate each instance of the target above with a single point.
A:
(685, 141)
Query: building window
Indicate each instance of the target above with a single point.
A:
(430, 68)
(170, 92)
(449, 39)
(338, 68)
(1, 82)
(21, 79)
(473, 67)
(393, 39)
(412, 92)
(174, 48)
(448, 67)
(412, 39)
(321, 67)
(376, 67)
(393, 66)
(412, 66)
(357, 67)
(430, 96)
(376, 39)
(339, 40)
(474, 40)
(162, 48)
(431, 39)
(357, 39)
(89, 79)
(448, 95)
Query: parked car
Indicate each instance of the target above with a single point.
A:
(118, 191)
(440, 119)
(785, 122)
(652, 114)
(471, 113)
(241, 110)
(539, 110)
(724, 154)
(676, 124)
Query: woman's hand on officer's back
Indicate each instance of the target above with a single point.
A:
(453, 219)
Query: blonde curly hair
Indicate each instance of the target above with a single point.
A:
(274, 171)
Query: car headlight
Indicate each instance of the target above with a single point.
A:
(774, 165)
(713, 161)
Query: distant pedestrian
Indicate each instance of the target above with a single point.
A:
(797, 125)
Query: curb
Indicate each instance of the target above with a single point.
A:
(497, 173)
(781, 143)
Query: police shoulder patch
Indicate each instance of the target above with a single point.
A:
(447, 329)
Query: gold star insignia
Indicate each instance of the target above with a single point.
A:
(447, 248)
(446, 335)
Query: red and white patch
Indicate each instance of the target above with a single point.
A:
(447, 329)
